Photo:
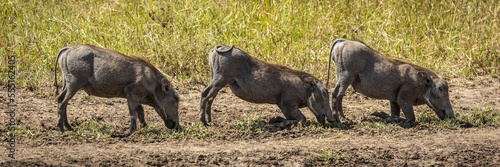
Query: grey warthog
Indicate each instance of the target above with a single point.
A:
(106, 73)
(256, 81)
(402, 83)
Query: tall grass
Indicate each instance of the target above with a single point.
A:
(454, 38)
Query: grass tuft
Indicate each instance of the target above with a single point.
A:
(197, 130)
(480, 116)
(251, 123)
(91, 130)
(328, 155)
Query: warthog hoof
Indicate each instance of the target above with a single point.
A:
(387, 118)
(394, 120)
(465, 124)
(277, 119)
(380, 114)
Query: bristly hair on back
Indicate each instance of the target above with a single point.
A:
(147, 63)
(141, 59)
(401, 61)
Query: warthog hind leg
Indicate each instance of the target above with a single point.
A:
(345, 78)
(71, 86)
(207, 98)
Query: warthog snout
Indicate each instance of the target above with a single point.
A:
(168, 100)
(171, 124)
(439, 100)
(450, 114)
(318, 102)
(447, 114)
(321, 118)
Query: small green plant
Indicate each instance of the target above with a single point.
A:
(327, 155)
(312, 126)
(425, 117)
(474, 117)
(480, 116)
(90, 130)
(251, 123)
(378, 126)
(184, 132)
(27, 132)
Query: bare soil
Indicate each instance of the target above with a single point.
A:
(418, 145)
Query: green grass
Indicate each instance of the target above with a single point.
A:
(251, 124)
(328, 155)
(454, 38)
(90, 130)
(480, 116)
(471, 117)
(378, 126)
(429, 119)
(185, 132)
(26, 132)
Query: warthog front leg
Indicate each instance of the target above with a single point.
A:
(291, 111)
(395, 114)
(395, 110)
(133, 107)
(140, 111)
(408, 111)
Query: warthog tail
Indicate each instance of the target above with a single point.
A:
(330, 59)
(55, 67)
(219, 50)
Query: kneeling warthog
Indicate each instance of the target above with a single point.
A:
(377, 76)
(106, 73)
(256, 81)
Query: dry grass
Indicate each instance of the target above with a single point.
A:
(454, 38)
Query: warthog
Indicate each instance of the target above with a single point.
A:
(402, 83)
(106, 73)
(256, 81)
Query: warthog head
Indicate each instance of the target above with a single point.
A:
(167, 101)
(318, 101)
(439, 100)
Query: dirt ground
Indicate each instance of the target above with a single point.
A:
(415, 146)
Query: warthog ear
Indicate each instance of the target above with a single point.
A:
(310, 81)
(165, 84)
(424, 78)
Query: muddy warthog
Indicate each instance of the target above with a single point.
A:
(256, 81)
(402, 83)
(106, 73)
